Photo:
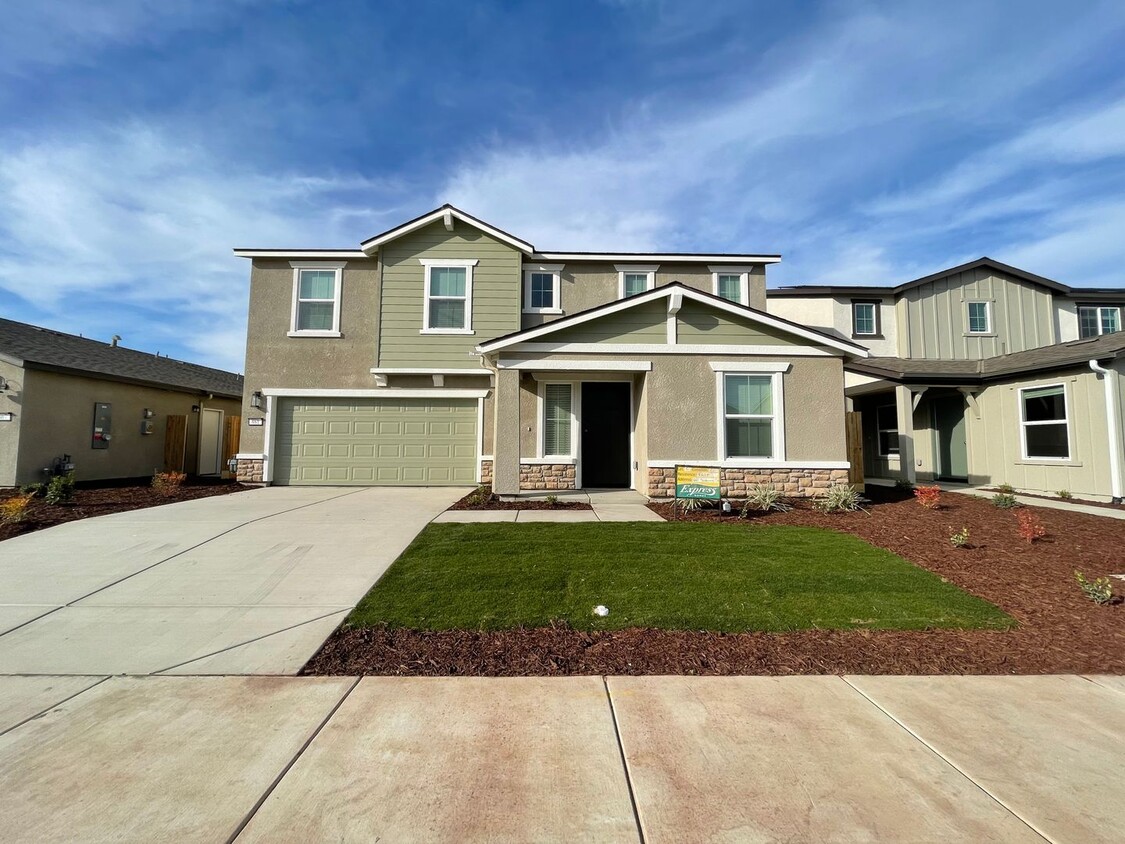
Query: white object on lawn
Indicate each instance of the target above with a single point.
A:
(601, 610)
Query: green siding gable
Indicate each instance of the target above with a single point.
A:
(646, 323)
(496, 296)
(700, 324)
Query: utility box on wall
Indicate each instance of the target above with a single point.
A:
(103, 425)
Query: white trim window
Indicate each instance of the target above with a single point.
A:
(865, 319)
(557, 426)
(316, 299)
(750, 414)
(448, 296)
(1095, 320)
(886, 430)
(1044, 423)
(542, 289)
(731, 283)
(979, 317)
(635, 278)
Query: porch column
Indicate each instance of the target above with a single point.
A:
(904, 403)
(506, 433)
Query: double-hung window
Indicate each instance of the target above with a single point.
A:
(634, 279)
(541, 289)
(558, 420)
(731, 283)
(886, 424)
(1098, 319)
(1044, 423)
(316, 299)
(865, 319)
(448, 297)
(749, 415)
(979, 318)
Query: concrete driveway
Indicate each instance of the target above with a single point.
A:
(246, 583)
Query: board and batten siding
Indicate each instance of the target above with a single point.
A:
(496, 296)
(933, 317)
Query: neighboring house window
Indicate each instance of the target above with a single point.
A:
(749, 414)
(632, 280)
(1095, 319)
(1043, 414)
(980, 318)
(865, 319)
(316, 299)
(448, 301)
(886, 424)
(558, 420)
(541, 289)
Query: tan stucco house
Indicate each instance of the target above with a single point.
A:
(110, 411)
(448, 351)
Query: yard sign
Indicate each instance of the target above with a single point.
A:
(697, 482)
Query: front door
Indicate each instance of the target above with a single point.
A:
(210, 441)
(606, 426)
(949, 423)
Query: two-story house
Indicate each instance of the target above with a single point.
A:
(448, 351)
(982, 373)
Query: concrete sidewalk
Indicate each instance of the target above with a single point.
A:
(671, 759)
(609, 505)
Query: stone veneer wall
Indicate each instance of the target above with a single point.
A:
(797, 483)
(546, 476)
(486, 472)
(250, 470)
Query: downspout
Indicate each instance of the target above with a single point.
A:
(1109, 378)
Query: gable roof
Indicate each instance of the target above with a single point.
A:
(447, 213)
(46, 349)
(666, 291)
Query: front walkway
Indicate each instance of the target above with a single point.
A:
(610, 505)
(658, 759)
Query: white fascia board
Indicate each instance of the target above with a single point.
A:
(655, 257)
(242, 455)
(427, 370)
(750, 366)
(384, 393)
(577, 365)
(752, 464)
(445, 215)
(674, 349)
(306, 254)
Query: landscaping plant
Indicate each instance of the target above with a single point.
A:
(1098, 590)
(1030, 528)
(14, 509)
(839, 499)
(552, 500)
(1007, 489)
(1005, 500)
(60, 489)
(764, 498)
(34, 490)
(959, 538)
(928, 496)
(903, 485)
(1064, 494)
(167, 483)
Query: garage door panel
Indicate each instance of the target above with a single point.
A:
(376, 441)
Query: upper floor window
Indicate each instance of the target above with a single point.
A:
(316, 299)
(865, 319)
(731, 283)
(1098, 319)
(541, 289)
(448, 300)
(1046, 428)
(632, 280)
(980, 317)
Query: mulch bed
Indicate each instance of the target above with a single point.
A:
(484, 498)
(1059, 630)
(102, 500)
(1085, 502)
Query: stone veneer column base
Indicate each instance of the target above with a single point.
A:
(250, 470)
(486, 472)
(536, 476)
(735, 483)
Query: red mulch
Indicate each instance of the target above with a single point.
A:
(1085, 502)
(1059, 629)
(486, 499)
(99, 501)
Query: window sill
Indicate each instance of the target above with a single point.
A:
(1049, 461)
(556, 311)
(980, 334)
(867, 336)
(546, 461)
(447, 331)
(314, 334)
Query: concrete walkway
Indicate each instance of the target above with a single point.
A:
(251, 582)
(1032, 501)
(653, 759)
(609, 505)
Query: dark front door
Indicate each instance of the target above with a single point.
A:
(949, 422)
(606, 425)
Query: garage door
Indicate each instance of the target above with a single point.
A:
(365, 442)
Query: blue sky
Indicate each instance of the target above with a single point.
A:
(867, 142)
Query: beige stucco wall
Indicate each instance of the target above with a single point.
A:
(11, 401)
(59, 411)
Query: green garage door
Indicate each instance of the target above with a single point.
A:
(367, 442)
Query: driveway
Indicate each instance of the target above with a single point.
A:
(248, 583)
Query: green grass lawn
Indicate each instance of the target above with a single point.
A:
(671, 576)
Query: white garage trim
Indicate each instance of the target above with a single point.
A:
(384, 393)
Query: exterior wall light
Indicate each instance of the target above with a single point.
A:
(256, 399)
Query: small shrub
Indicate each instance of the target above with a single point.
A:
(959, 538)
(1007, 489)
(839, 499)
(34, 490)
(1030, 527)
(692, 504)
(764, 498)
(14, 510)
(552, 500)
(167, 483)
(60, 489)
(1098, 590)
(903, 485)
(928, 496)
(480, 495)
(1005, 501)
(1064, 494)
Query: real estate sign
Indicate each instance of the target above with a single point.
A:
(697, 482)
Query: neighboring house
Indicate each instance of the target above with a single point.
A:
(115, 412)
(447, 351)
(982, 373)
